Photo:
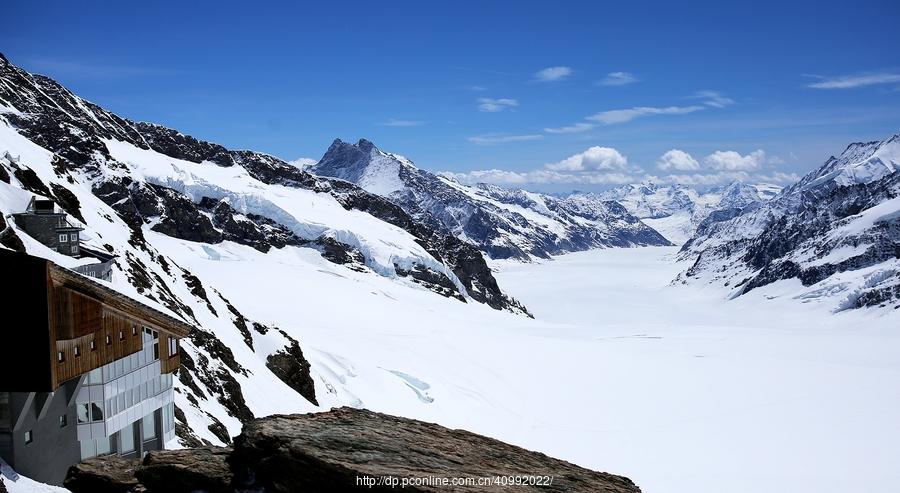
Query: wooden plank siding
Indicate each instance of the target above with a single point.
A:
(169, 362)
(79, 320)
(115, 337)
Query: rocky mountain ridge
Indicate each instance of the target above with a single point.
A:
(836, 231)
(503, 223)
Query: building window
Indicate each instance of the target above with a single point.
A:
(108, 340)
(63, 238)
(63, 421)
(74, 249)
(156, 351)
(29, 436)
(96, 412)
(173, 347)
(82, 411)
(134, 330)
(93, 345)
(60, 356)
(127, 436)
(73, 237)
(149, 426)
(77, 351)
(121, 335)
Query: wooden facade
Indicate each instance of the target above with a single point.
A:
(170, 360)
(85, 324)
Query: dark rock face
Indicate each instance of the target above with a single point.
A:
(68, 201)
(292, 368)
(805, 233)
(186, 471)
(9, 238)
(3, 487)
(435, 281)
(341, 253)
(337, 451)
(107, 474)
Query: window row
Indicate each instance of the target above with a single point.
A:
(95, 411)
(108, 339)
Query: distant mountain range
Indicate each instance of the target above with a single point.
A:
(677, 210)
(835, 233)
(501, 222)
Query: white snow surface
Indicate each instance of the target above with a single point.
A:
(674, 386)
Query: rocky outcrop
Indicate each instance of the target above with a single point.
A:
(345, 449)
(200, 469)
(3, 487)
(289, 365)
(107, 474)
(9, 238)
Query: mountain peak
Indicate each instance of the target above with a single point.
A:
(365, 145)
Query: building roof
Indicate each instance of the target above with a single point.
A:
(117, 300)
(108, 296)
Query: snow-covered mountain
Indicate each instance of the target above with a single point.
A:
(503, 223)
(833, 237)
(173, 207)
(677, 210)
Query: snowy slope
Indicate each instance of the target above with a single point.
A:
(836, 231)
(146, 193)
(503, 223)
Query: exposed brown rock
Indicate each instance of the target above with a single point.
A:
(343, 450)
(106, 474)
(184, 471)
(329, 451)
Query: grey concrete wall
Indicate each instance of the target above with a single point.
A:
(53, 449)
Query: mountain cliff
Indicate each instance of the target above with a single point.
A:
(835, 233)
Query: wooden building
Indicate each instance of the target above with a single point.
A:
(87, 370)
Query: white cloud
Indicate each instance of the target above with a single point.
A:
(618, 79)
(477, 88)
(502, 139)
(491, 105)
(402, 123)
(778, 178)
(713, 98)
(702, 179)
(853, 81)
(733, 161)
(626, 115)
(607, 166)
(594, 159)
(519, 178)
(550, 74)
(571, 129)
(676, 159)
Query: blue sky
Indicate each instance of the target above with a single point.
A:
(546, 95)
